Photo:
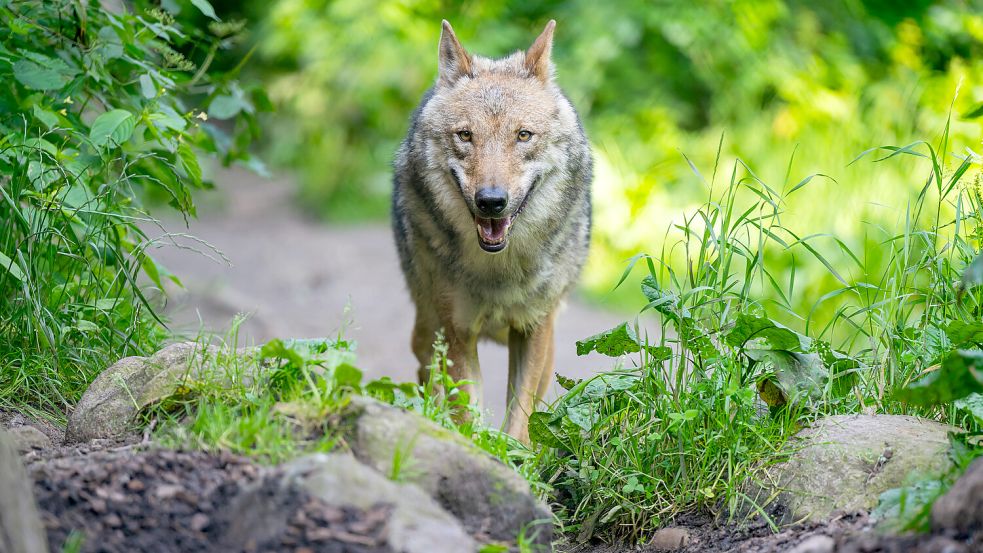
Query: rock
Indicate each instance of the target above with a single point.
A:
(28, 438)
(845, 462)
(961, 508)
(669, 539)
(817, 543)
(416, 523)
(489, 498)
(21, 530)
(108, 407)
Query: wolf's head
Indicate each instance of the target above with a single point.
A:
(500, 132)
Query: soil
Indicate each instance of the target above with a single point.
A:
(128, 495)
(850, 533)
(162, 500)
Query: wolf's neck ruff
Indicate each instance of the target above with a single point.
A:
(491, 210)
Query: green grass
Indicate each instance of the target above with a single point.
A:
(736, 370)
(98, 109)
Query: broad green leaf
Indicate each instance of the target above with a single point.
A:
(205, 7)
(348, 376)
(48, 118)
(83, 325)
(38, 72)
(583, 415)
(962, 333)
(765, 333)
(972, 405)
(792, 376)
(602, 385)
(147, 87)
(10, 267)
(226, 107)
(618, 341)
(112, 129)
(541, 431)
(972, 276)
(960, 374)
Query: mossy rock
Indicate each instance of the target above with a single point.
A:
(844, 462)
(490, 499)
(110, 405)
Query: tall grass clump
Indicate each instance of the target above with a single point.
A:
(690, 414)
(98, 109)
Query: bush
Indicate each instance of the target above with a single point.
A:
(99, 109)
(715, 399)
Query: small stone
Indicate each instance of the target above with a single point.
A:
(817, 543)
(669, 539)
(135, 485)
(98, 506)
(168, 491)
(113, 521)
(199, 522)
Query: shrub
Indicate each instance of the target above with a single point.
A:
(98, 108)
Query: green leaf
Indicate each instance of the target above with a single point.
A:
(48, 118)
(962, 333)
(971, 405)
(189, 162)
(226, 107)
(348, 376)
(10, 267)
(766, 333)
(960, 374)
(618, 341)
(112, 129)
(205, 7)
(974, 112)
(147, 87)
(38, 72)
(793, 376)
(541, 430)
(972, 276)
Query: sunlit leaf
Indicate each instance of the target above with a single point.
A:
(112, 129)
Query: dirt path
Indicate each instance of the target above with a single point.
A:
(296, 277)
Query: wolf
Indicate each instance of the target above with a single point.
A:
(491, 212)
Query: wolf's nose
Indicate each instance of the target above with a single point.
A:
(491, 201)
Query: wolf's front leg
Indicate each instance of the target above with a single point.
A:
(530, 367)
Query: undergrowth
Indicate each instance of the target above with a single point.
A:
(713, 399)
(286, 398)
(98, 108)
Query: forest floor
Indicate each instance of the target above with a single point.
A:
(298, 278)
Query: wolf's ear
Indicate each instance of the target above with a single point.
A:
(452, 61)
(538, 60)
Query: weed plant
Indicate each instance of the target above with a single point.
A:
(712, 400)
(98, 108)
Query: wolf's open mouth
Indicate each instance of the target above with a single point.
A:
(492, 233)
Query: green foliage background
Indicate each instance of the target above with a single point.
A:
(654, 81)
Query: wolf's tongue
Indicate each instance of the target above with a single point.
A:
(492, 230)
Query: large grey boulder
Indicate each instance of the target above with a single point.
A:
(110, 404)
(21, 530)
(416, 524)
(492, 501)
(844, 462)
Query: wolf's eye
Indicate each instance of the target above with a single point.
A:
(524, 136)
(464, 135)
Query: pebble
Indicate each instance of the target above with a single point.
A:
(669, 539)
(817, 543)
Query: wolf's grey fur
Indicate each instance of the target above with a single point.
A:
(455, 283)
